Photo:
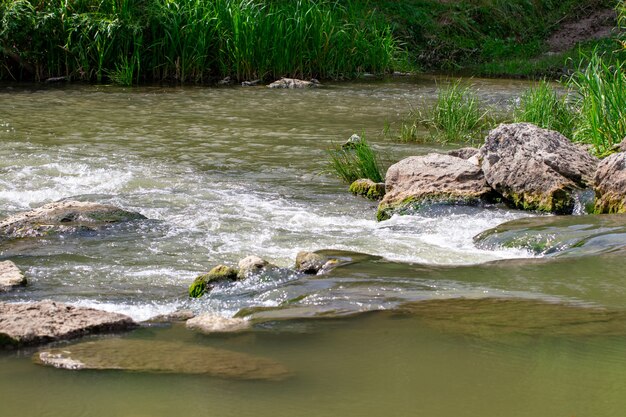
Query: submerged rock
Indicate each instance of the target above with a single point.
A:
(610, 184)
(205, 282)
(63, 217)
(534, 168)
(155, 356)
(432, 178)
(212, 323)
(48, 321)
(494, 318)
(251, 265)
(309, 262)
(558, 236)
(10, 276)
(368, 188)
(294, 83)
(176, 316)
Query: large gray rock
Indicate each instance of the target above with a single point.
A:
(432, 178)
(610, 184)
(48, 321)
(10, 276)
(154, 356)
(294, 83)
(534, 168)
(63, 217)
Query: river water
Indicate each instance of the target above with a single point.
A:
(222, 173)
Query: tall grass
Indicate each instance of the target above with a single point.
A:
(191, 40)
(356, 161)
(601, 90)
(456, 116)
(542, 106)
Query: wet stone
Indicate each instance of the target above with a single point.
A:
(10, 276)
(153, 356)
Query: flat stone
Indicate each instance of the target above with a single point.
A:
(10, 276)
(153, 356)
(294, 83)
(434, 178)
(63, 217)
(48, 321)
(212, 323)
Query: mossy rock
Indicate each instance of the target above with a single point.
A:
(368, 188)
(205, 282)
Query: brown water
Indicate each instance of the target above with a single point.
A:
(223, 173)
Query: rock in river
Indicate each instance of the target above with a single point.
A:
(610, 184)
(63, 217)
(294, 83)
(212, 323)
(10, 276)
(206, 282)
(156, 356)
(47, 321)
(251, 265)
(432, 178)
(368, 188)
(534, 168)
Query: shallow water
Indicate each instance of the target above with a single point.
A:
(224, 173)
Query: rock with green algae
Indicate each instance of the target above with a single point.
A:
(205, 282)
(610, 184)
(368, 188)
(432, 179)
(315, 263)
(154, 356)
(63, 217)
(536, 169)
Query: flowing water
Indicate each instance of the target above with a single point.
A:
(222, 173)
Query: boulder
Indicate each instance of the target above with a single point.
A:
(212, 323)
(251, 265)
(432, 178)
(610, 184)
(155, 356)
(10, 276)
(534, 168)
(368, 188)
(205, 282)
(294, 83)
(63, 217)
(48, 321)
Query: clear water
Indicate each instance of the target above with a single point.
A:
(224, 173)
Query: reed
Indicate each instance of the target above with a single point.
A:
(601, 91)
(456, 116)
(191, 40)
(542, 106)
(355, 161)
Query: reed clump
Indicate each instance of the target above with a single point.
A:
(456, 116)
(544, 107)
(130, 41)
(355, 160)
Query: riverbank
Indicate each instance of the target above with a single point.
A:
(204, 42)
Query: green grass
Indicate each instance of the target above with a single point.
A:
(456, 116)
(130, 41)
(355, 161)
(542, 106)
(601, 90)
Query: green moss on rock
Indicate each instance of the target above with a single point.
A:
(204, 283)
(368, 188)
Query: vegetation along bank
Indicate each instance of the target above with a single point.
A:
(199, 41)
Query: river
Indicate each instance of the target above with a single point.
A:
(222, 173)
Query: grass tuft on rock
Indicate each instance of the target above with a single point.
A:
(355, 161)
